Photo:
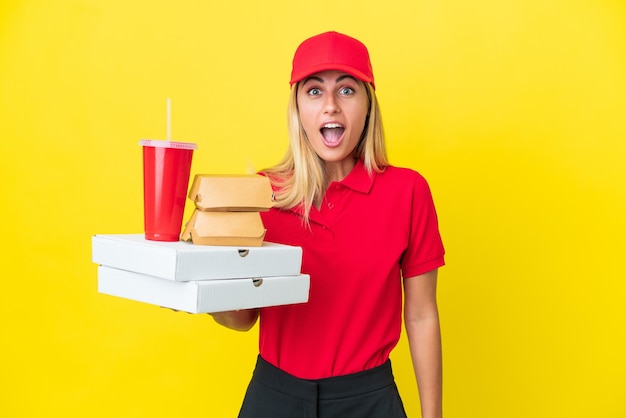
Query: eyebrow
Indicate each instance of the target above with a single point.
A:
(306, 80)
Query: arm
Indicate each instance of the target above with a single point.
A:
(421, 319)
(238, 320)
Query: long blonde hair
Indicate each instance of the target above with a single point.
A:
(300, 178)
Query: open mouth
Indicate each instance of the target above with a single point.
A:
(332, 133)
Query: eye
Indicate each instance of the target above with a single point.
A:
(346, 91)
(314, 91)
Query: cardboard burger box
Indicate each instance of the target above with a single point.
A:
(225, 228)
(183, 261)
(204, 296)
(237, 192)
(227, 209)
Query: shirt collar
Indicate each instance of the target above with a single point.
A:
(359, 179)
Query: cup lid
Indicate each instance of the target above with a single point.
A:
(158, 143)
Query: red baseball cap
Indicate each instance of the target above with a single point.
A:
(332, 51)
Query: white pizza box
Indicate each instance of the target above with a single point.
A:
(207, 295)
(182, 261)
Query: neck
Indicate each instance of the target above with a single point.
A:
(337, 171)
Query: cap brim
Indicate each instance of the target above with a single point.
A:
(327, 67)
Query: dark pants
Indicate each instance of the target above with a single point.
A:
(273, 393)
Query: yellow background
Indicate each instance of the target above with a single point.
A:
(514, 111)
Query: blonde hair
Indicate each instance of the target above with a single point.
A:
(300, 178)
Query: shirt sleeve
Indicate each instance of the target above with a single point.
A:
(425, 251)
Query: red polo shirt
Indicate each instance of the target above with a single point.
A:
(368, 233)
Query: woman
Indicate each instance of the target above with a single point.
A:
(368, 230)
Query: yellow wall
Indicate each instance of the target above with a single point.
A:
(514, 110)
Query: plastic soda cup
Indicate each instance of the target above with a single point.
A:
(166, 168)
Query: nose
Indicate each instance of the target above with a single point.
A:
(330, 105)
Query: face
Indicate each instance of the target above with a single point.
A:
(333, 109)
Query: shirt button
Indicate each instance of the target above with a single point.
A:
(330, 205)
